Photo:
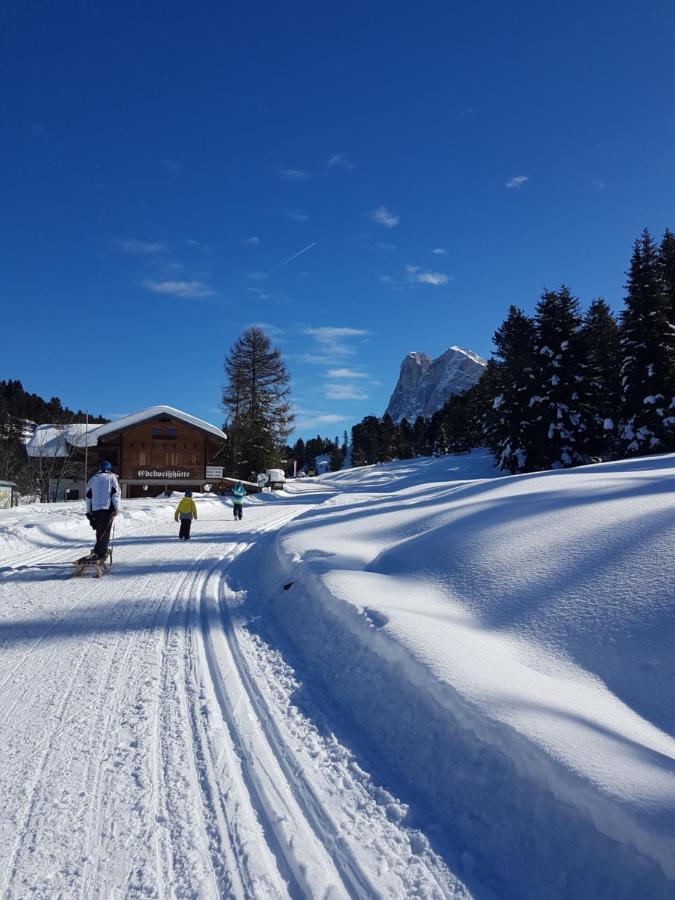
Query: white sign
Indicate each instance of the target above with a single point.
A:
(214, 472)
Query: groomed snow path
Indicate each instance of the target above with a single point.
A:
(150, 744)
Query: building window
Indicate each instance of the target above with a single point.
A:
(142, 458)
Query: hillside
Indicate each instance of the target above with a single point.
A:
(410, 680)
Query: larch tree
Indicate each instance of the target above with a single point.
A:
(255, 399)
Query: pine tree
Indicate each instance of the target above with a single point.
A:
(509, 422)
(667, 260)
(648, 351)
(388, 439)
(560, 422)
(259, 418)
(602, 359)
(405, 439)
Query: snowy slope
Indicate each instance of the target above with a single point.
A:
(508, 644)
(413, 680)
(153, 745)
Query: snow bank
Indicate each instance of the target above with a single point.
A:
(507, 647)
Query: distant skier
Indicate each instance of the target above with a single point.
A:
(102, 505)
(238, 492)
(186, 511)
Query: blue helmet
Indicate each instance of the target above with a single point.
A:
(104, 466)
(188, 493)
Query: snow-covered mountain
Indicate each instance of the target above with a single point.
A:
(424, 384)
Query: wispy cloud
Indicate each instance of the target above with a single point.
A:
(294, 174)
(131, 245)
(598, 184)
(310, 419)
(294, 256)
(257, 276)
(171, 165)
(334, 341)
(341, 161)
(252, 241)
(417, 276)
(345, 373)
(342, 391)
(517, 182)
(383, 216)
(188, 290)
(272, 331)
(439, 251)
(296, 215)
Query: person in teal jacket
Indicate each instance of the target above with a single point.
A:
(238, 492)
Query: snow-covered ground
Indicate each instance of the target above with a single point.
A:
(412, 680)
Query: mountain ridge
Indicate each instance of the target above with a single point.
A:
(425, 384)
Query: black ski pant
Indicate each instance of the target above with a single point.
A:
(103, 519)
(238, 510)
(185, 525)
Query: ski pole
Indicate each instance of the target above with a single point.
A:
(112, 540)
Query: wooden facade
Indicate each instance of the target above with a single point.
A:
(159, 454)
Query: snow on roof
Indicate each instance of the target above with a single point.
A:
(150, 413)
(53, 440)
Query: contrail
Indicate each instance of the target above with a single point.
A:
(291, 258)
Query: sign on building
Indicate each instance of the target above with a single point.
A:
(214, 472)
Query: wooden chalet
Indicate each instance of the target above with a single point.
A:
(158, 450)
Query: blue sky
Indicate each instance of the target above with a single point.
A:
(161, 164)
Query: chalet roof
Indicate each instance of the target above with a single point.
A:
(152, 412)
(54, 440)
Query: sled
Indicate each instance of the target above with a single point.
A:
(97, 566)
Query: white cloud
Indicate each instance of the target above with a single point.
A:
(171, 165)
(257, 276)
(435, 278)
(188, 290)
(308, 419)
(341, 161)
(598, 184)
(517, 182)
(439, 251)
(296, 215)
(272, 331)
(333, 341)
(294, 174)
(418, 277)
(252, 241)
(345, 392)
(130, 245)
(345, 373)
(383, 216)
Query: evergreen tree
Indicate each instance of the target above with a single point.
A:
(602, 359)
(421, 446)
(508, 428)
(559, 426)
(388, 439)
(255, 400)
(667, 260)
(648, 352)
(405, 439)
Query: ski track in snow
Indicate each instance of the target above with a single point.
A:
(151, 747)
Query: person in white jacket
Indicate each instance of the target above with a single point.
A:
(102, 503)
